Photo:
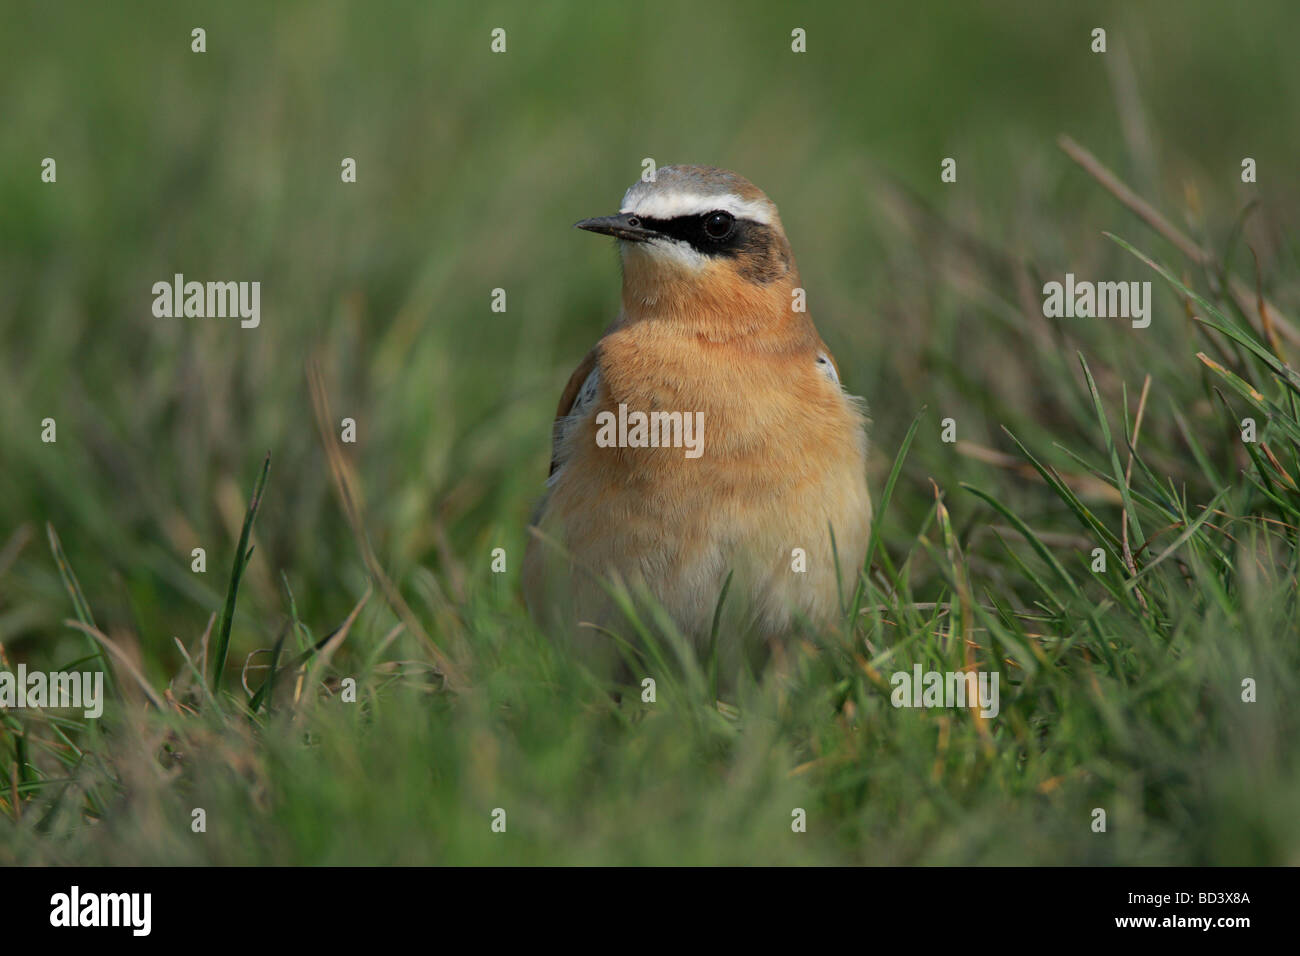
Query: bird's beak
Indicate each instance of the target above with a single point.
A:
(623, 226)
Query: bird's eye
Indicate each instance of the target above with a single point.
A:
(718, 225)
(634, 222)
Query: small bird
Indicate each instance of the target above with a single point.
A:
(705, 435)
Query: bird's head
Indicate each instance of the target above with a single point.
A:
(700, 242)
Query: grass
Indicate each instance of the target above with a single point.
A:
(368, 571)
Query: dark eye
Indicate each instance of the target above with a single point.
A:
(718, 225)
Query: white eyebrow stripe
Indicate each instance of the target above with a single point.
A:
(671, 205)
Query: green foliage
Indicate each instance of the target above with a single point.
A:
(1120, 689)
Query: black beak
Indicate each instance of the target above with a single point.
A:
(623, 226)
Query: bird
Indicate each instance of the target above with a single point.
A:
(766, 495)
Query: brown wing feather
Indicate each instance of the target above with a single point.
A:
(569, 396)
(575, 383)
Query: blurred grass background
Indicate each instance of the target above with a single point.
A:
(471, 169)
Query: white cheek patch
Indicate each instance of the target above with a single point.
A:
(670, 205)
(666, 250)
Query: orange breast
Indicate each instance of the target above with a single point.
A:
(781, 459)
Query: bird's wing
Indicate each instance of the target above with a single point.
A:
(826, 363)
(578, 396)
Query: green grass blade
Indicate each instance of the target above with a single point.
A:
(242, 552)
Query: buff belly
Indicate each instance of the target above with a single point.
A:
(759, 507)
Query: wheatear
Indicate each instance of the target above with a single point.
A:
(706, 433)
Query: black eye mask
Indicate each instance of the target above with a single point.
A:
(715, 233)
